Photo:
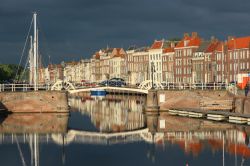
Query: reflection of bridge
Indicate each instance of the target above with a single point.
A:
(86, 137)
(108, 88)
(77, 136)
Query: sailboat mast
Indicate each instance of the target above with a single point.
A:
(35, 52)
(31, 60)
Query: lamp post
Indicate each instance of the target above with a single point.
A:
(222, 65)
(63, 67)
(234, 61)
(152, 74)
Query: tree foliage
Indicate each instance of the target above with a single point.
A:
(8, 72)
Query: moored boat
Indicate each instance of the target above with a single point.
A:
(98, 92)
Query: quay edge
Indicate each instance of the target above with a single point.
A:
(221, 100)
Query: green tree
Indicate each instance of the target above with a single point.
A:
(8, 72)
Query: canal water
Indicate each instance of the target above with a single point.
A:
(114, 131)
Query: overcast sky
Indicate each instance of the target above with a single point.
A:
(75, 29)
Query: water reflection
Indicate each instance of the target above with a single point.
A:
(195, 137)
(112, 113)
(114, 130)
(28, 132)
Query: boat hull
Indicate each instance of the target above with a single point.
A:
(98, 92)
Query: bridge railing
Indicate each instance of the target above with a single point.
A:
(178, 86)
(198, 86)
(22, 87)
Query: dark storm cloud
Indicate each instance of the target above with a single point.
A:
(74, 29)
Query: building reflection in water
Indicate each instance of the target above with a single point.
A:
(194, 136)
(112, 113)
(121, 121)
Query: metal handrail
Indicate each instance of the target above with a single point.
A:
(22, 87)
(201, 86)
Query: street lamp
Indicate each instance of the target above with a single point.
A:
(234, 61)
(152, 73)
(222, 65)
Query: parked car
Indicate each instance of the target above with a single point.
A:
(117, 79)
(113, 82)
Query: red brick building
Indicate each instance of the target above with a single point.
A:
(204, 68)
(138, 64)
(214, 47)
(168, 64)
(183, 57)
(55, 72)
(238, 58)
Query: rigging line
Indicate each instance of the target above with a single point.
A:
(45, 40)
(20, 152)
(19, 64)
(25, 67)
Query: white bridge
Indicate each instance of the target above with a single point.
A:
(142, 88)
(109, 88)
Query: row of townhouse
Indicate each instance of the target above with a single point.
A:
(108, 63)
(216, 61)
(50, 74)
(74, 72)
(77, 72)
(104, 64)
(190, 60)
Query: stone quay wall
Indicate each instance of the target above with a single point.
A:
(34, 102)
(192, 99)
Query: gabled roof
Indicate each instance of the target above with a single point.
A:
(157, 44)
(239, 43)
(219, 46)
(203, 46)
(96, 55)
(167, 50)
(118, 52)
(214, 46)
(160, 44)
(190, 41)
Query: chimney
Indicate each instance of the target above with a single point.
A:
(186, 35)
(172, 45)
(194, 34)
(213, 39)
(230, 38)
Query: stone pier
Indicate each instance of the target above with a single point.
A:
(152, 111)
(152, 102)
(34, 102)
